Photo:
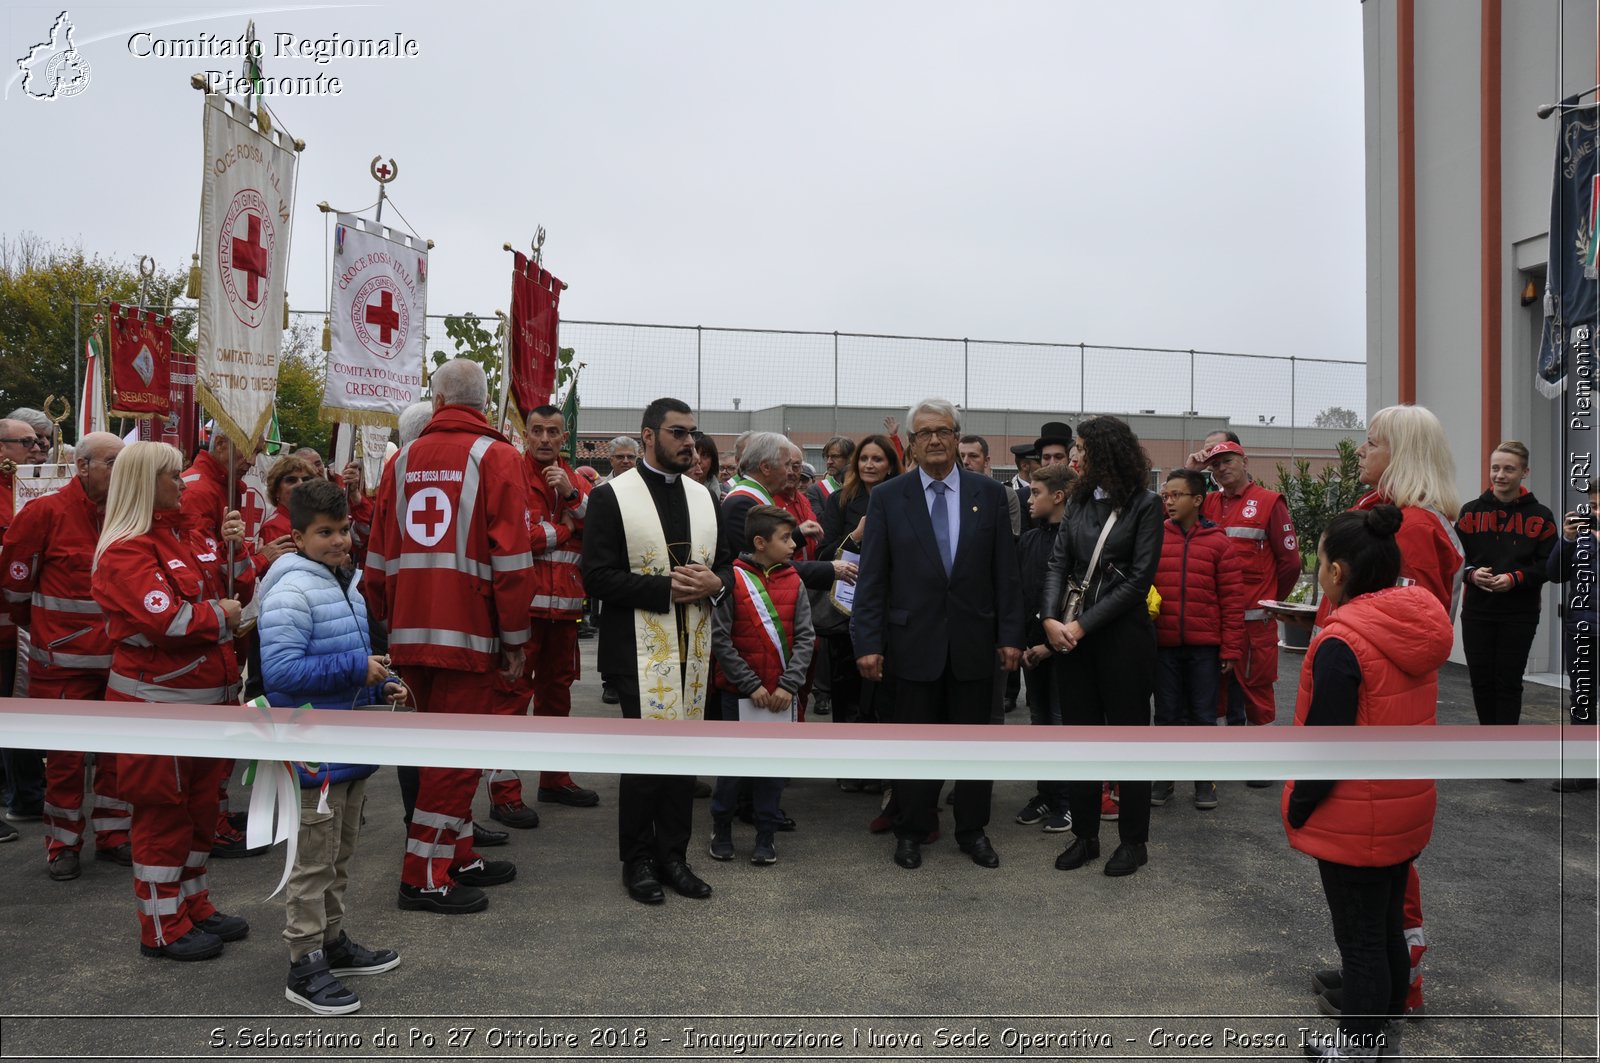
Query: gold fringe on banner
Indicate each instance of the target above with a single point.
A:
(193, 291)
(336, 415)
(225, 422)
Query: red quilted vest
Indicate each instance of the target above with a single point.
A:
(750, 635)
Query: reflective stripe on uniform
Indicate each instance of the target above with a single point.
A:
(59, 605)
(1246, 533)
(103, 824)
(545, 601)
(516, 638)
(560, 557)
(153, 692)
(581, 510)
(156, 872)
(436, 820)
(190, 886)
(64, 836)
(113, 803)
(549, 531)
(180, 620)
(55, 659)
(1255, 614)
(429, 851)
(445, 561)
(17, 597)
(512, 562)
(159, 906)
(57, 812)
(196, 858)
(427, 636)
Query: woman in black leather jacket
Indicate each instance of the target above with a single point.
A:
(1106, 660)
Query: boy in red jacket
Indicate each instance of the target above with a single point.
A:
(1200, 630)
(762, 638)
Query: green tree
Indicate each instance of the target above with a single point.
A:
(39, 282)
(302, 368)
(1314, 500)
(472, 339)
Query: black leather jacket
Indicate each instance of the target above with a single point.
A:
(1127, 561)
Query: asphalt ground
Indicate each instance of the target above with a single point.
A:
(1207, 952)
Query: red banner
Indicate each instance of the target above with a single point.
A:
(141, 355)
(181, 425)
(535, 321)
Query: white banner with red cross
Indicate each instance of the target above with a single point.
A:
(246, 207)
(378, 310)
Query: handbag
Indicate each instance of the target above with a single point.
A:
(1072, 600)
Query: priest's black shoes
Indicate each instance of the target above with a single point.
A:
(1080, 852)
(684, 882)
(981, 851)
(643, 886)
(908, 853)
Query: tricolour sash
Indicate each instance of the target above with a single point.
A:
(674, 666)
(743, 485)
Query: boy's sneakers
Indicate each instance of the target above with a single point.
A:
(764, 852)
(1109, 809)
(1059, 821)
(1160, 793)
(228, 843)
(1205, 796)
(8, 833)
(722, 840)
(446, 900)
(346, 958)
(1034, 811)
(313, 986)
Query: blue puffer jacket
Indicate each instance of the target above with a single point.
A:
(314, 646)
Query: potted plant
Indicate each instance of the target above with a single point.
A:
(1313, 501)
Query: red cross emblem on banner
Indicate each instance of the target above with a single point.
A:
(382, 314)
(244, 249)
(381, 317)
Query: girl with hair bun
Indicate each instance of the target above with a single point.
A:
(1374, 663)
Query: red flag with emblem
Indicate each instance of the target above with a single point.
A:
(535, 323)
(141, 358)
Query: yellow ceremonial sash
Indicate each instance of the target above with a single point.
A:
(674, 666)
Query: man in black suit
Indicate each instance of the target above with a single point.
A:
(938, 599)
(650, 545)
(1026, 456)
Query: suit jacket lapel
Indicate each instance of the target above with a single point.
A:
(967, 522)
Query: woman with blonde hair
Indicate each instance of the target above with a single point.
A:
(1508, 536)
(171, 622)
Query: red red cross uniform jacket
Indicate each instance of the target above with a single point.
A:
(449, 567)
(45, 575)
(8, 626)
(557, 549)
(205, 502)
(1400, 637)
(161, 595)
(1258, 524)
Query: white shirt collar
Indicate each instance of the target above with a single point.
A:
(670, 477)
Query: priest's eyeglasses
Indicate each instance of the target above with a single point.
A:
(680, 433)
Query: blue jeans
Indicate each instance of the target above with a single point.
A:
(765, 793)
(1186, 686)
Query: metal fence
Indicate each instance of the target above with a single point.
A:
(627, 365)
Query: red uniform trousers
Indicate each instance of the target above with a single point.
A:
(1412, 921)
(64, 782)
(1254, 676)
(552, 667)
(174, 810)
(440, 835)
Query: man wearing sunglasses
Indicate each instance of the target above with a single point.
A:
(45, 568)
(24, 769)
(651, 555)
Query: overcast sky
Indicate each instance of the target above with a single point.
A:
(1174, 174)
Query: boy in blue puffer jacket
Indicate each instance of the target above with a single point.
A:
(315, 648)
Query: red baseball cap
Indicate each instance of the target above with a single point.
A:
(1224, 447)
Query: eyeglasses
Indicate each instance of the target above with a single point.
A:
(107, 462)
(296, 479)
(1165, 495)
(681, 433)
(925, 434)
(25, 441)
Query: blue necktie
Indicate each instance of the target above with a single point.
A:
(940, 515)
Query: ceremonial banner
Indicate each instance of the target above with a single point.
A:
(374, 448)
(141, 358)
(1569, 297)
(245, 217)
(92, 403)
(379, 307)
(181, 426)
(535, 321)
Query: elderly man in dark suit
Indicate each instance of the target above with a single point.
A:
(938, 600)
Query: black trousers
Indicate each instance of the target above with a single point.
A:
(655, 813)
(1107, 682)
(1368, 909)
(944, 700)
(1497, 655)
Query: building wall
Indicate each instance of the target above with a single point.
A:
(1449, 230)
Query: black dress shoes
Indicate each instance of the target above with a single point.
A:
(1129, 857)
(684, 882)
(908, 853)
(486, 837)
(1080, 852)
(981, 851)
(643, 886)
